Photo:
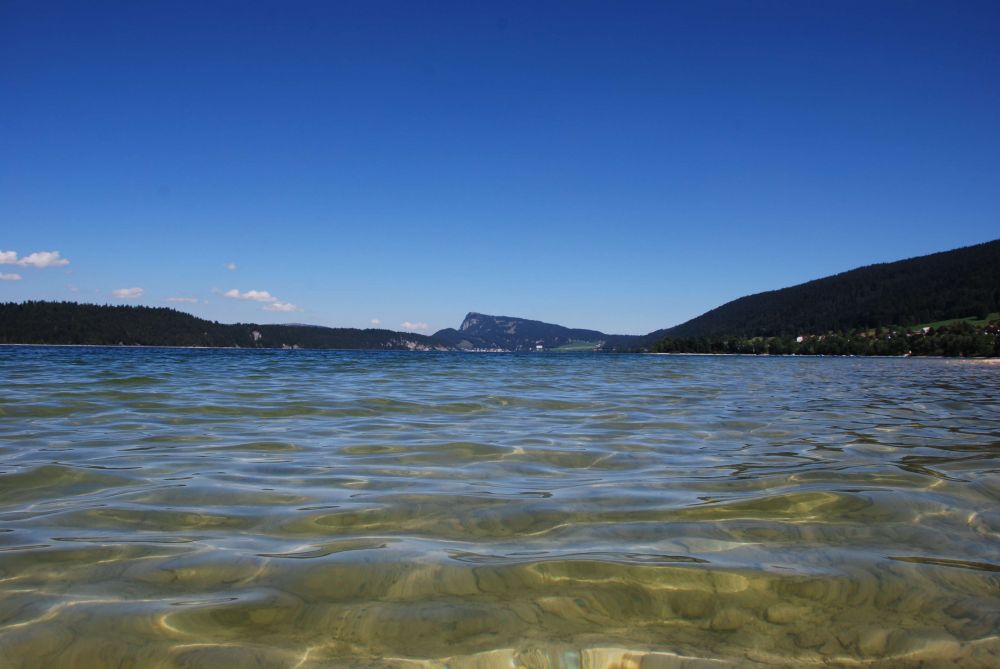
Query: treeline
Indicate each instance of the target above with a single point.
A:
(40, 322)
(952, 284)
(961, 339)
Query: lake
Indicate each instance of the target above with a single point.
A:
(303, 509)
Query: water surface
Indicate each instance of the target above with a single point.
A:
(209, 508)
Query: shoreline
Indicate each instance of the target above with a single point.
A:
(407, 350)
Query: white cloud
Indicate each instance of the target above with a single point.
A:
(407, 325)
(191, 300)
(272, 303)
(231, 266)
(38, 259)
(72, 288)
(376, 321)
(280, 306)
(44, 259)
(256, 295)
(127, 293)
(10, 277)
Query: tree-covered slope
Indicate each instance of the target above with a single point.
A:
(951, 284)
(72, 323)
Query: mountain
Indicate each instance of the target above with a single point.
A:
(42, 322)
(859, 304)
(509, 333)
(952, 284)
(72, 323)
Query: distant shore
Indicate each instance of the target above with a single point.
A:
(387, 350)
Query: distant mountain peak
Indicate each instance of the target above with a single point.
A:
(511, 333)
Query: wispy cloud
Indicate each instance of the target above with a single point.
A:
(280, 306)
(271, 302)
(73, 288)
(376, 321)
(231, 266)
(256, 295)
(191, 300)
(127, 293)
(407, 325)
(10, 277)
(38, 259)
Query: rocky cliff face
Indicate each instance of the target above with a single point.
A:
(471, 321)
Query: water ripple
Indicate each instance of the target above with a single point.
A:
(204, 508)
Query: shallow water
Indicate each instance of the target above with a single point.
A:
(208, 508)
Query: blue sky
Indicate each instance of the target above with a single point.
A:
(622, 166)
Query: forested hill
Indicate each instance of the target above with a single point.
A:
(72, 323)
(951, 284)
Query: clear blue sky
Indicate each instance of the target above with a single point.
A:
(615, 165)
